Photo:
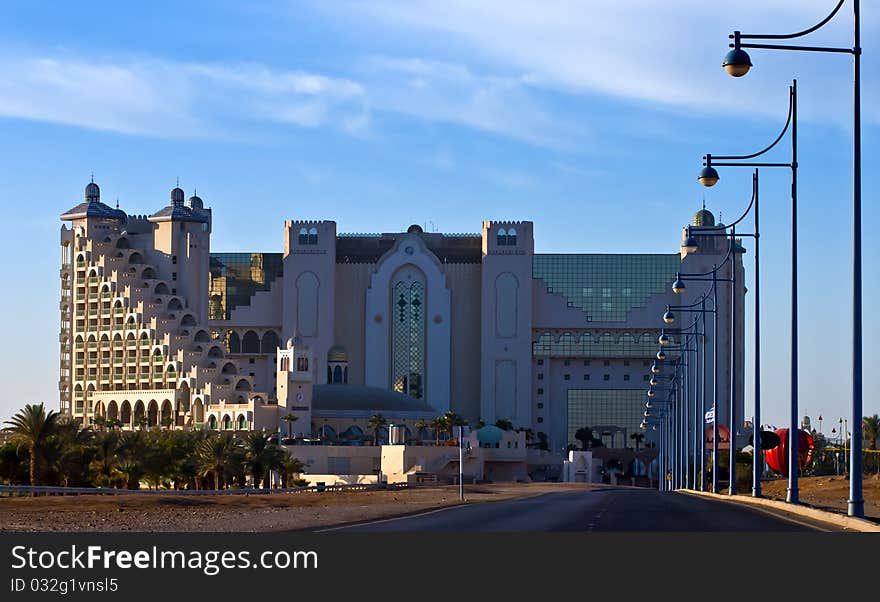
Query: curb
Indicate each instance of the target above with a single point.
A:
(848, 523)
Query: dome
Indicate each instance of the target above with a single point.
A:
(490, 434)
(414, 229)
(93, 193)
(337, 353)
(177, 196)
(704, 218)
(295, 341)
(195, 202)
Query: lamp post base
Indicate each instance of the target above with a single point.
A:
(856, 508)
(792, 497)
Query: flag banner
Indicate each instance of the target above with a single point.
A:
(710, 416)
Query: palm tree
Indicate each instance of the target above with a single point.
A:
(100, 422)
(376, 422)
(140, 422)
(585, 436)
(289, 418)
(504, 424)
(289, 467)
(439, 425)
(638, 438)
(420, 425)
(104, 464)
(31, 427)
(453, 420)
(214, 456)
(259, 457)
(871, 426)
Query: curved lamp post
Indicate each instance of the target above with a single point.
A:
(737, 63)
(744, 161)
(699, 372)
(679, 287)
(692, 244)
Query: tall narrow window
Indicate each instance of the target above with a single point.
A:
(408, 338)
(313, 236)
(303, 236)
(511, 237)
(502, 237)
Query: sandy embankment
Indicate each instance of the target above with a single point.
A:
(133, 512)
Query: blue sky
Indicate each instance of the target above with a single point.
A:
(588, 118)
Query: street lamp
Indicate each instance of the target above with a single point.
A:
(737, 62)
(856, 503)
(745, 161)
(708, 176)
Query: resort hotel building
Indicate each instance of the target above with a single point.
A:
(159, 331)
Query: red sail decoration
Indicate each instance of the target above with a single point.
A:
(777, 458)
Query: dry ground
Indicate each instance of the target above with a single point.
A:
(829, 493)
(133, 512)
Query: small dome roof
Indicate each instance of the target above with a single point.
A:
(490, 434)
(177, 196)
(337, 353)
(93, 193)
(414, 229)
(195, 202)
(704, 218)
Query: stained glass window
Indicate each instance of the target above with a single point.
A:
(408, 339)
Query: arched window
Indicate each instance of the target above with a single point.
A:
(242, 422)
(285, 364)
(511, 237)
(250, 343)
(502, 237)
(337, 374)
(302, 364)
(270, 342)
(303, 236)
(234, 342)
(162, 289)
(313, 236)
(227, 422)
(408, 337)
(212, 422)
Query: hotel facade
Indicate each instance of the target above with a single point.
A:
(159, 331)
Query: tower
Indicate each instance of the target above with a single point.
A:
(506, 336)
(294, 366)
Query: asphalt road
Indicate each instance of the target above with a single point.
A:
(610, 509)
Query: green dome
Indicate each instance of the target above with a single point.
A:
(704, 218)
(489, 434)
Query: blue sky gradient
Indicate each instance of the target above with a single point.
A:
(588, 118)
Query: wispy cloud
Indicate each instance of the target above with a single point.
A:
(452, 93)
(173, 99)
(667, 54)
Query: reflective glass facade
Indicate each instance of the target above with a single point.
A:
(235, 277)
(606, 287)
(605, 344)
(623, 408)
